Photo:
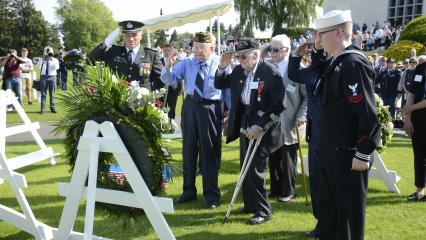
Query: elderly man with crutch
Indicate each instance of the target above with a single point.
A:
(257, 94)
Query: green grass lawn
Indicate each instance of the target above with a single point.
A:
(389, 215)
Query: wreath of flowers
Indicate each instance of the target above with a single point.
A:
(104, 94)
(386, 122)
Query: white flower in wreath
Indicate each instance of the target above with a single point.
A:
(144, 91)
(390, 125)
(134, 84)
(162, 91)
(174, 124)
(114, 79)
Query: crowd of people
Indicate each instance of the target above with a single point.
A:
(255, 92)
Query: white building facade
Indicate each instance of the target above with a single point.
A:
(397, 12)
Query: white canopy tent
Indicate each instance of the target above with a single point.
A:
(206, 12)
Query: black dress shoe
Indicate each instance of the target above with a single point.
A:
(272, 195)
(212, 205)
(53, 111)
(312, 234)
(185, 199)
(255, 220)
(286, 199)
(243, 211)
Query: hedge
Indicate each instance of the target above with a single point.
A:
(401, 49)
(415, 30)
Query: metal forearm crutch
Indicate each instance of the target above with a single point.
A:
(302, 165)
(244, 170)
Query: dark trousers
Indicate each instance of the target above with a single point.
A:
(201, 132)
(419, 147)
(313, 158)
(282, 167)
(390, 101)
(172, 96)
(343, 196)
(47, 83)
(62, 79)
(254, 185)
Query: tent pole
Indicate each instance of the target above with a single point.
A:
(218, 33)
(148, 35)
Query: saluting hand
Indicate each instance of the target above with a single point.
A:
(171, 59)
(358, 165)
(225, 60)
(301, 49)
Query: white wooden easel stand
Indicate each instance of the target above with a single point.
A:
(86, 166)
(26, 221)
(378, 171)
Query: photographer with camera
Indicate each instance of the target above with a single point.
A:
(62, 73)
(12, 74)
(48, 67)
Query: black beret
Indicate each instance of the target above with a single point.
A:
(131, 26)
(247, 44)
(203, 37)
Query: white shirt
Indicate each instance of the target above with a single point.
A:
(283, 66)
(245, 94)
(134, 53)
(53, 66)
(28, 64)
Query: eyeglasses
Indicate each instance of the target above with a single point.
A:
(275, 50)
(321, 33)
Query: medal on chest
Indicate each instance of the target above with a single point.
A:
(259, 91)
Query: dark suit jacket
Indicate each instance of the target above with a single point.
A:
(261, 112)
(116, 58)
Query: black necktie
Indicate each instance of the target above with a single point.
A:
(199, 83)
(46, 72)
(129, 56)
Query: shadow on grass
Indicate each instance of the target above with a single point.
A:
(250, 235)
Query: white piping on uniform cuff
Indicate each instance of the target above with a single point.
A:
(362, 157)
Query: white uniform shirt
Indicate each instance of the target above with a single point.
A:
(245, 94)
(53, 66)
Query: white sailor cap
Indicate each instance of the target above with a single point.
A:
(331, 19)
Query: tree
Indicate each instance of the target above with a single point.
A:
(161, 38)
(248, 30)
(174, 37)
(84, 23)
(274, 13)
(23, 26)
(214, 27)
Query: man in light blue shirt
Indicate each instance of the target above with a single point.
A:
(201, 117)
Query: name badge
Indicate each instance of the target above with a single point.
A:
(254, 85)
(418, 78)
(290, 88)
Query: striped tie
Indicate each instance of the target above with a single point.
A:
(199, 82)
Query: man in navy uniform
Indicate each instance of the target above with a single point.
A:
(257, 94)
(132, 61)
(201, 117)
(349, 130)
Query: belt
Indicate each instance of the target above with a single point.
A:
(204, 100)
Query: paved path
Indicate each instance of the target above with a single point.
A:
(46, 133)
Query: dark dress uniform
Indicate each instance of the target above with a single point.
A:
(349, 129)
(263, 108)
(116, 57)
(310, 77)
(418, 118)
(389, 88)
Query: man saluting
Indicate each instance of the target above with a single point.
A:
(257, 94)
(132, 61)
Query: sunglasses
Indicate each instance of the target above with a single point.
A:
(275, 50)
(413, 62)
